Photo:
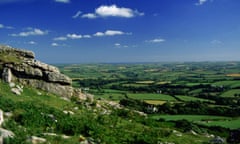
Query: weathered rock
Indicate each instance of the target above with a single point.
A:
(11, 84)
(58, 78)
(217, 140)
(1, 140)
(37, 140)
(6, 133)
(1, 117)
(7, 75)
(41, 65)
(20, 66)
(16, 91)
(19, 52)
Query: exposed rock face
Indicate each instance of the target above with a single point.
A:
(1, 118)
(18, 65)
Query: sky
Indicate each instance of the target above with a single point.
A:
(96, 31)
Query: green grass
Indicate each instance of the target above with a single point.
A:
(227, 122)
(232, 123)
(8, 57)
(231, 93)
(191, 98)
(148, 96)
(229, 83)
(189, 117)
(30, 95)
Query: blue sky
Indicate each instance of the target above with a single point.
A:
(78, 31)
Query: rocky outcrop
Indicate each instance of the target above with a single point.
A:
(17, 65)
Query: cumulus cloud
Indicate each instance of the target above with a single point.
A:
(54, 44)
(31, 32)
(74, 36)
(110, 33)
(71, 36)
(201, 2)
(112, 11)
(63, 1)
(157, 40)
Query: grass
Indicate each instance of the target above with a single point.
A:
(190, 117)
(228, 83)
(232, 123)
(155, 102)
(30, 95)
(227, 122)
(231, 93)
(148, 96)
(191, 98)
(8, 57)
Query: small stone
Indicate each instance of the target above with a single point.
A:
(11, 84)
(37, 140)
(16, 91)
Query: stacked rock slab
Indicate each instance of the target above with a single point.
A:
(19, 65)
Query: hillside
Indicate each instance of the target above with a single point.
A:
(39, 114)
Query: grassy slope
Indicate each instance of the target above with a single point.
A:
(30, 112)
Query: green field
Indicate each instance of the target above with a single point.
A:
(227, 122)
(152, 97)
(231, 93)
(191, 98)
(212, 85)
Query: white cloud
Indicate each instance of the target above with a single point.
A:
(12, 1)
(71, 36)
(63, 1)
(89, 15)
(99, 34)
(32, 42)
(112, 11)
(60, 38)
(117, 44)
(5, 27)
(54, 44)
(201, 2)
(113, 32)
(32, 32)
(110, 33)
(86, 36)
(157, 40)
(74, 36)
(77, 14)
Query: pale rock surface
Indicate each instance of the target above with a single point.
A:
(1, 117)
(37, 140)
(6, 133)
